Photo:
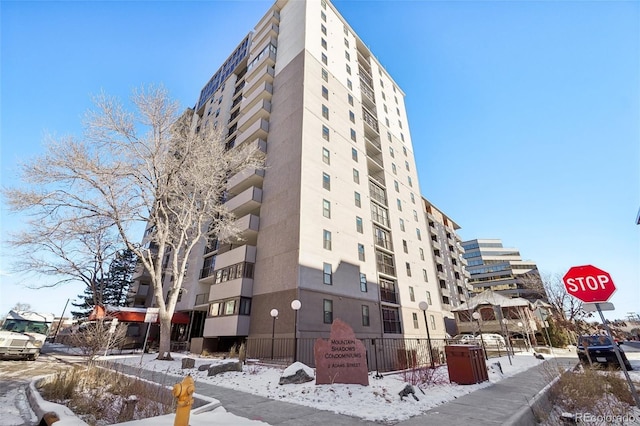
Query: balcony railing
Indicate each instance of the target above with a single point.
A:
(388, 296)
(202, 299)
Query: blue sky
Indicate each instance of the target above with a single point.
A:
(525, 116)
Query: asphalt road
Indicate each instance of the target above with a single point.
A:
(15, 376)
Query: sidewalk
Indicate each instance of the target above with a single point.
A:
(506, 402)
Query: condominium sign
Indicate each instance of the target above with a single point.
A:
(342, 358)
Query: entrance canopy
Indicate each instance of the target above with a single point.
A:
(126, 314)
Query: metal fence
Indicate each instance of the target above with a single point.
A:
(383, 354)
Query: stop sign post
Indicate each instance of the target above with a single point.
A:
(592, 285)
(589, 284)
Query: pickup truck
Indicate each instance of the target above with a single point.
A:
(23, 333)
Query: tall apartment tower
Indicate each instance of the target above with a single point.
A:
(335, 219)
(501, 269)
(448, 254)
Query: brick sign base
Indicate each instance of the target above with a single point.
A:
(342, 358)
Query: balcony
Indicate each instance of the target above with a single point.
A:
(373, 144)
(374, 164)
(388, 296)
(232, 325)
(368, 97)
(245, 253)
(370, 120)
(248, 226)
(247, 201)
(245, 179)
(260, 110)
(271, 29)
(256, 93)
(272, 17)
(264, 59)
(257, 130)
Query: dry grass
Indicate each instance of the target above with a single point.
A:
(103, 397)
(598, 392)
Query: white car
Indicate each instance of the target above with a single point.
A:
(491, 340)
(464, 338)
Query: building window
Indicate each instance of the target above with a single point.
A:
(323, 3)
(324, 43)
(326, 181)
(325, 112)
(413, 198)
(325, 92)
(412, 296)
(404, 149)
(326, 209)
(429, 298)
(386, 121)
(348, 69)
(327, 307)
(365, 316)
(323, 29)
(356, 176)
(391, 152)
(424, 275)
(406, 166)
(363, 283)
(361, 252)
(347, 56)
(325, 75)
(350, 99)
(415, 215)
(325, 133)
(433, 322)
(326, 239)
(346, 42)
(324, 59)
(405, 247)
(396, 186)
(359, 226)
(352, 116)
(421, 254)
(356, 196)
(418, 234)
(410, 182)
(400, 124)
(323, 16)
(408, 268)
(402, 139)
(414, 316)
(353, 135)
(326, 156)
(327, 274)
(402, 225)
(354, 154)
(349, 84)
(391, 320)
(393, 168)
(399, 203)
(383, 96)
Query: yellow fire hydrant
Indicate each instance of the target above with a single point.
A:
(183, 392)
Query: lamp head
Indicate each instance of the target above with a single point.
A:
(423, 305)
(274, 313)
(295, 304)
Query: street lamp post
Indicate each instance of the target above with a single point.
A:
(295, 305)
(423, 306)
(476, 316)
(274, 315)
(60, 322)
(505, 322)
(525, 329)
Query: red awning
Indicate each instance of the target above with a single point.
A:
(132, 314)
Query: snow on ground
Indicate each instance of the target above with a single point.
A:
(377, 402)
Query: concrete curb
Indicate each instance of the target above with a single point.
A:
(527, 415)
(49, 412)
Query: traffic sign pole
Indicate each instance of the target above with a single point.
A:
(617, 351)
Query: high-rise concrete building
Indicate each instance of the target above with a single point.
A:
(501, 269)
(335, 220)
(448, 255)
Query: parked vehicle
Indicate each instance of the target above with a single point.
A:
(23, 334)
(491, 340)
(464, 339)
(599, 349)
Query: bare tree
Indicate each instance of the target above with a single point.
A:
(97, 337)
(151, 166)
(67, 247)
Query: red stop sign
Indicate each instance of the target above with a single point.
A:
(589, 284)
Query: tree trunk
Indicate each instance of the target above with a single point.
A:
(164, 348)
